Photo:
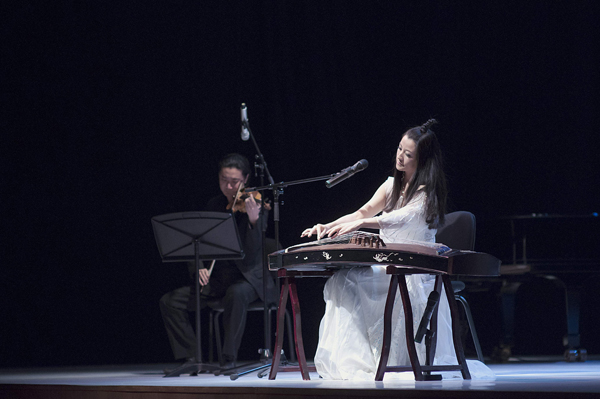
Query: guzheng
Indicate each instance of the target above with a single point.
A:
(367, 249)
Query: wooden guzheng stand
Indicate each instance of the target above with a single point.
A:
(365, 250)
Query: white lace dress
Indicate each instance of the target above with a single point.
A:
(351, 331)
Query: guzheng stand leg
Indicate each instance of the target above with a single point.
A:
(289, 288)
(285, 287)
(431, 335)
(398, 279)
(458, 347)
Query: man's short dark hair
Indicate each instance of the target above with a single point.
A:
(235, 161)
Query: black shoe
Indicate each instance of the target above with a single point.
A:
(225, 365)
(188, 361)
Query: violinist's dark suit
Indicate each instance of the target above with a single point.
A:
(236, 283)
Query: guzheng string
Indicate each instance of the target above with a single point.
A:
(341, 239)
(355, 236)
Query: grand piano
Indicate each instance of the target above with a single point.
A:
(561, 248)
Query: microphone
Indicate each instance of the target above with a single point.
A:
(245, 131)
(432, 302)
(347, 173)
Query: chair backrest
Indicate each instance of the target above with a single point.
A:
(458, 232)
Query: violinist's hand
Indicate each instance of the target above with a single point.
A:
(318, 229)
(252, 209)
(203, 276)
(344, 228)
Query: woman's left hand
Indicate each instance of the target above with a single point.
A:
(344, 228)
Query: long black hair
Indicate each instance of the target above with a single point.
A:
(429, 173)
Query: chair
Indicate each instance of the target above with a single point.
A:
(216, 310)
(459, 233)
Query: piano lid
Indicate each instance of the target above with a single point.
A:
(550, 216)
(542, 238)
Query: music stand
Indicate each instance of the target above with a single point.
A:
(196, 236)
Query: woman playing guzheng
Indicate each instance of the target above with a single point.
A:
(412, 205)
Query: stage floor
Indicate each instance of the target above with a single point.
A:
(529, 378)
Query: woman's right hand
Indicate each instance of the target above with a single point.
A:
(318, 229)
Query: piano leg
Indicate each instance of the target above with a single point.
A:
(572, 341)
(573, 297)
(508, 294)
(573, 300)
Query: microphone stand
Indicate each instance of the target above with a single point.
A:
(265, 353)
(277, 189)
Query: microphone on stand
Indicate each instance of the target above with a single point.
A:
(347, 173)
(245, 131)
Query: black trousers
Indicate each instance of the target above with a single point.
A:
(182, 337)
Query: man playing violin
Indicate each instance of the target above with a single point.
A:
(234, 283)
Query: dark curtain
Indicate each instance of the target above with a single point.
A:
(113, 112)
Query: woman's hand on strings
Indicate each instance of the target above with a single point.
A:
(344, 228)
(318, 229)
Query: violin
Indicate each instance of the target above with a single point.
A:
(239, 201)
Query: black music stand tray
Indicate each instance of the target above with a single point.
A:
(196, 236)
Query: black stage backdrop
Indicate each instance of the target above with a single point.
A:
(113, 112)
